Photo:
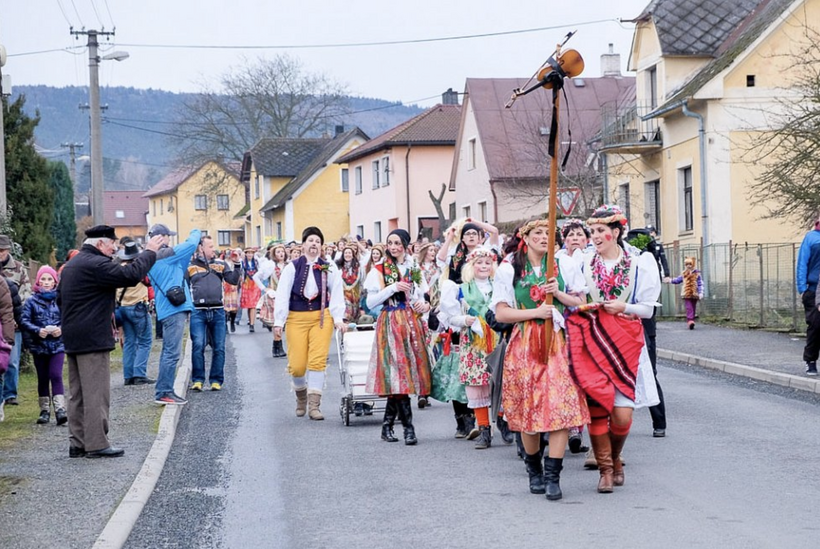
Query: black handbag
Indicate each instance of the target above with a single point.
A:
(175, 294)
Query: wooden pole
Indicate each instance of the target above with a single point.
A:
(552, 204)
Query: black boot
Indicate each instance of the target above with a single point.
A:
(519, 445)
(273, 349)
(536, 472)
(504, 430)
(406, 417)
(280, 349)
(460, 430)
(390, 412)
(233, 322)
(469, 426)
(552, 476)
(485, 438)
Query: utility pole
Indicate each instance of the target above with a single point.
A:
(97, 183)
(72, 165)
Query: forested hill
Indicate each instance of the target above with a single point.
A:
(136, 151)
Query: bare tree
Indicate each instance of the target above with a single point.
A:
(443, 222)
(789, 185)
(266, 98)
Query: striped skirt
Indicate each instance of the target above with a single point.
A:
(400, 361)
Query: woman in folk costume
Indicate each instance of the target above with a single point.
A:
(270, 271)
(692, 289)
(606, 340)
(426, 258)
(250, 293)
(538, 393)
(309, 298)
(400, 361)
(463, 307)
(230, 292)
(576, 238)
(352, 264)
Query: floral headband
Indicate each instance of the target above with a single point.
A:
(529, 226)
(480, 253)
(606, 214)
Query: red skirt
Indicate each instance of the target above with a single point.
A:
(250, 294)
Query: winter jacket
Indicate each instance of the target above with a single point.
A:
(206, 281)
(86, 297)
(16, 302)
(808, 262)
(169, 271)
(16, 271)
(6, 312)
(39, 312)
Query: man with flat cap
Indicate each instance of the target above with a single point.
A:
(86, 297)
(310, 298)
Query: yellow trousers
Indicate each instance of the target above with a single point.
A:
(308, 344)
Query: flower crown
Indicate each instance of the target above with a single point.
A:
(480, 253)
(530, 225)
(606, 214)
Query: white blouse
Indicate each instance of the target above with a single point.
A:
(504, 292)
(647, 290)
(376, 295)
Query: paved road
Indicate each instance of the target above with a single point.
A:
(736, 470)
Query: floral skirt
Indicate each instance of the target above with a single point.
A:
(400, 361)
(540, 396)
(230, 297)
(352, 298)
(472, 365)
(266, 311)
(250, 294)
(447, 384)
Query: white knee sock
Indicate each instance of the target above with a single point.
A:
(299, 382)
(315, 381)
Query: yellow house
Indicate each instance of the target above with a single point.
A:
(294, 183)
(677, 157)
(208, 197)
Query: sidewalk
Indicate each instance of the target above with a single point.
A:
(766, 356)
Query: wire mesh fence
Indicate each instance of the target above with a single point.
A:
(743, 283)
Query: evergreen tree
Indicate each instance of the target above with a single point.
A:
(63, 226)
(28, 193)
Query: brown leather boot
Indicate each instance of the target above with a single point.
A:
(301, 402)
(602, 447)
(617, 465)
(313, 401)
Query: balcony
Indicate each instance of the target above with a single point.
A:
(624, 131)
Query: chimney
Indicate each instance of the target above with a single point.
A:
(611, 63)
(339, 130)
(449, 97)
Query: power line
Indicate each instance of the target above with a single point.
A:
(65, 16)
(93, 5)
(114, 25)
(80, 19)
(363, 44)
(65, 50)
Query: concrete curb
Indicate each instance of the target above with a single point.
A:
(125, 516)
(777, 378)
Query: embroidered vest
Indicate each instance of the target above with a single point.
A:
(595, 294)
(298, 301)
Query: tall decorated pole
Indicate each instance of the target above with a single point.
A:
(551, 75)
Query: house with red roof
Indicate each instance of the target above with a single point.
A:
(126, 211)
(392, 175)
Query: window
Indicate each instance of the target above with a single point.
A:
(376, 174)
(471, 154)
(161, 207)
(358, 178)
(750, 81)
(482, 211)
(345, 180)
(688, 209)
(652, 192)
(360, 230)
(623, 199)
(200, 202)
(278, 230)
(377, 231)
(223, 238)
(386, 165)
(154, 207)
(223, 202)
(119, 214)
(466, 210)
(652, 86)
(256, 187)
(259, 235)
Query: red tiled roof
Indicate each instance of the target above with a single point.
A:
(177, 177)
(436, 126)
(132, 204)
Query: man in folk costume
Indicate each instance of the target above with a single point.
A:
(310, 299)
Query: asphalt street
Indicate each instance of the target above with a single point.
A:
(736, 470)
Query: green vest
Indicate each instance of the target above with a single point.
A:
(530, 279)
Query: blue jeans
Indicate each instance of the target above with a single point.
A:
(136, 324)
(208, 326)
(172, 329)
(13, 373)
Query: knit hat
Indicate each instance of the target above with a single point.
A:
(403, 235)
(469, 226)
(45, 269)
(313, 231)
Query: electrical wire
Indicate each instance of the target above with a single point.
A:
(363, 44)
(80, 19)
(93, 5)
(113, 25)
(64, 50)
(65, 16)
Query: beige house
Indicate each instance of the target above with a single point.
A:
(392, 175)
(126, 211)
(677, 156)
(500, 171)
(208, 197)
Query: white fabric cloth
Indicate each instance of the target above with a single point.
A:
(334, 287)
(264, 272)
(315, 381)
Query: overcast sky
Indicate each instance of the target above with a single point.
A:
(406, 72)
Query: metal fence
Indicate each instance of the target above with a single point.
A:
(748, 284)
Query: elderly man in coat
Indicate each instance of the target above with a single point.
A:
(86, 297)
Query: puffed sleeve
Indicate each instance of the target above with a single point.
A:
(503, 291)
(281, 305)
(337, 294)
(574, 280)
(376, 295)
(647, 287)
(449, 308)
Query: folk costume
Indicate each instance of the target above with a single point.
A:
(400, 360)
(310, 300)
(250, 293)
(230, 293)
(692, 289)
(472, 299)
(353, 275)
(267, 280)
(608, 351)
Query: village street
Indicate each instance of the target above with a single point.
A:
(736, 470)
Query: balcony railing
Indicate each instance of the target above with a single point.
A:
(623, 130)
